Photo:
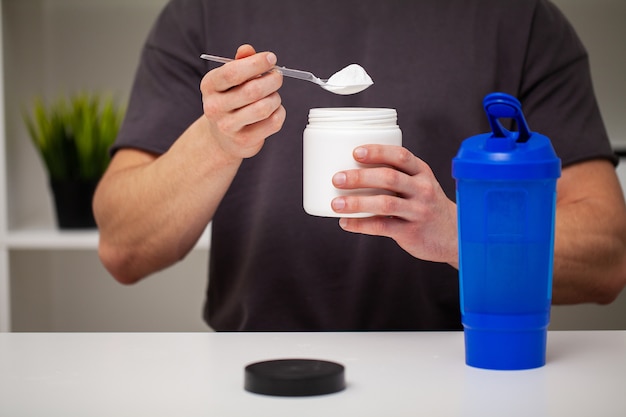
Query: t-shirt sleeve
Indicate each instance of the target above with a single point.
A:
(165, 98)
(557, 92)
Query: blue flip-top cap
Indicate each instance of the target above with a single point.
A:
(505, 155)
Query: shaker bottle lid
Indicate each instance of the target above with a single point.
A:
(294, 377)
(504, 154)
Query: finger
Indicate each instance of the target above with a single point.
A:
(380, 205)
(266, 127)
(375, 226)
(239, 71)
(395, 156)
(258, 94)
(208, 82)
(255, 112)
(244, 51)
(253, 90)
(385, 178)
(248, 141)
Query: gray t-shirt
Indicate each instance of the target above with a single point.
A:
(272, 266)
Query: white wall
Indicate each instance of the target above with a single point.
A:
(601, 25)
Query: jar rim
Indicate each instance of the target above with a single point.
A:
(360, 115)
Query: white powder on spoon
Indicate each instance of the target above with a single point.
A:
(352, 79)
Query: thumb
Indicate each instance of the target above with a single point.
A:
(244, 51)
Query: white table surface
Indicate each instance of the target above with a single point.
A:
(388, 374)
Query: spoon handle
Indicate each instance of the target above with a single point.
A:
(215, 58)
(301, 75)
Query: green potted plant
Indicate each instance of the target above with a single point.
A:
(73, 135)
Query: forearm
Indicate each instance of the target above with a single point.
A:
(590, 246)
(151, 210)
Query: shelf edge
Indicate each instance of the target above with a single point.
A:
(65, 240)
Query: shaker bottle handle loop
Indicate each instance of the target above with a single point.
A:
(501, 105)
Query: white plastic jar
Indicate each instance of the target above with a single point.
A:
(330, 138)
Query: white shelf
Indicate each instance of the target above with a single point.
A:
(52, 239)
(55, 239)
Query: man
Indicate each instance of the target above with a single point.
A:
(232, 156)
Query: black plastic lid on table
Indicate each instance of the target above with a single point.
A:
(294, 377)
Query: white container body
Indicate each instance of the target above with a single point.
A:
(329, 141)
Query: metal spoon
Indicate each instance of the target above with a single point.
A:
(303, 75)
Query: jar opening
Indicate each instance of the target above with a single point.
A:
(353, 115)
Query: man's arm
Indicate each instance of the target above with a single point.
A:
(152, 209)
(590, 239)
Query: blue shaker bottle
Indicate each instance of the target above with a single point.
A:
(506, 200)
